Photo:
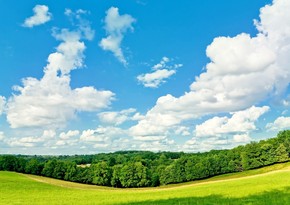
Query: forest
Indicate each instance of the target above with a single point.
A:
(127, 169)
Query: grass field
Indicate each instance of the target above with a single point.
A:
(269, 185)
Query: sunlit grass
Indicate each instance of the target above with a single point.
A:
(252, 187)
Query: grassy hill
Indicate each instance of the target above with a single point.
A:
(269, 185)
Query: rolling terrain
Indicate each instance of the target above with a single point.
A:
(268, 185)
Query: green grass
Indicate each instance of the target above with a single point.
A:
(269, 185)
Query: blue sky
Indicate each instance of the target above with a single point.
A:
(100, 76)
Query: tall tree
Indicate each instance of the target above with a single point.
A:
(102, 173)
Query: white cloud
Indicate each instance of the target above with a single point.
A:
(118, 118)
(32, 141)
(209, 143)
(116, 25)
(146, 127)
(153, 80)
(137, 116)
(67, 142)
(225, 132)
(105, 137)
(50, 101)
(69, 134)
(239, 122)
(242, 138)
(101, 146)
(77, 19)
(285, 103)
(280, 123)
(182, 130)
(101, 134)
(150, 138)
(48, 134)
(284, 112)
(161, 71)
(2, 104)
(41, 16)
(159, 145)
(2, 135)
(69, 138)
(243, 71)
(92, 136)
(161, 64)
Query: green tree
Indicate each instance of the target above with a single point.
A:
(134, 174)
(8, 163)
(102, 173)
(71, 173)
(116, 174)
(48, 169)
(281, 154)
(167, 175)
(33, 166)
(59, 170)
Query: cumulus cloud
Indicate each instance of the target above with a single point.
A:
(31, 141)
(242, 138)
(225, 132)
(161, 64)
(41, 16)
(118, 118)
(69, 134)
(101, 134)
(150, 138)
(159, 145)
(2, 135)
(205, 144)
(243, 71)
(182, 130)
(68, 138)
(153, 80)
(161, 71)
(280, 123)
(76, 18)
(50, 101)
(103, 137)
(239, 122)
(116, 26)
(2, 104)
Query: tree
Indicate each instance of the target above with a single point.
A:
(116, 174)
(33, 166)
(179, 170)
(189, 169)
(284, 137)
(8, 163)
(71, 173)
(85, 175)
(281, 154)
(102, 173)
(251, 156)
(134, 174)
(48, 169)
(59, 170)
(167, 175)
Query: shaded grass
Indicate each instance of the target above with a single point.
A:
(270, 188)
(270, 197)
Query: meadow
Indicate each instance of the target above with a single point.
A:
(268, 185)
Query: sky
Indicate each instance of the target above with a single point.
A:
(85, 77)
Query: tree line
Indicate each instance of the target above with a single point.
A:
(143, 168)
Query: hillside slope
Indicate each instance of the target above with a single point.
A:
(270, 185)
